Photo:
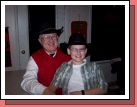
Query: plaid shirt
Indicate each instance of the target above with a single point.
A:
(91, 74)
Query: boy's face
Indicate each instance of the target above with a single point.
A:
(77, 53)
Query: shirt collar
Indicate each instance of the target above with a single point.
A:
(49, 53)
(70, 62)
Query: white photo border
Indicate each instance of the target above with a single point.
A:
(126, 3)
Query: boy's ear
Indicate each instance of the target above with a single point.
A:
(57, 36)
(68, 51)
(86, 51)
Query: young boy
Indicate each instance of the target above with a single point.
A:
(78, 76)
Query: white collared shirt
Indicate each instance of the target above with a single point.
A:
(30, 82)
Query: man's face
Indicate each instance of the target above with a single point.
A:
(49, 42)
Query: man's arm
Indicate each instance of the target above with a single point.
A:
(30, 83)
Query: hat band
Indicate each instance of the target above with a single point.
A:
(77, 42)
(47, 29)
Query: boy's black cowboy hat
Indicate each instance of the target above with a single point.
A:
(75, 39)
(46, 28)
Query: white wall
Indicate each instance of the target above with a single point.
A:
(65, 14)
(72, 13)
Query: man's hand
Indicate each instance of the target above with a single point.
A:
(47, 91)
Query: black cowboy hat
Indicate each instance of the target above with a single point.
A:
(75, 39)
(46, 28)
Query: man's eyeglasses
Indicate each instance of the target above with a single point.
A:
(49, 36)
(78, 50)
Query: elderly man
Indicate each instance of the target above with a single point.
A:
(43, 64)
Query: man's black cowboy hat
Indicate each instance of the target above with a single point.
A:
(46, 28)
(75, 39)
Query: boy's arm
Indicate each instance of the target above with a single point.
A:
(101, 88)
(92, 91)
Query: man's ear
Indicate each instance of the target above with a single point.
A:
(68, 51)
(39, 40)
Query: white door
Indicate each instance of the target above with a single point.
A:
(16, 17)
(22, 12)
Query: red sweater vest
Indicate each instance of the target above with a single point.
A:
(47, 66)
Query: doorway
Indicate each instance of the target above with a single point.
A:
(108, 32)
(38, 14)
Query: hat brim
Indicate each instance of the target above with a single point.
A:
(77, 43)
(64, 46)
